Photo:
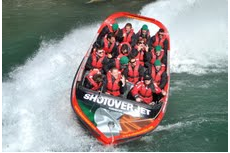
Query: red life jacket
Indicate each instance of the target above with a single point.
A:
(154, 57)
(97, 63)
(128, 37)
(133, 74)
(106, 48)
(140, 57)
(157, 76)
(112, 87)
(141, 38)
(144, 92)
(95, 85)
(158, 41)
(117, 63)
(129, 48)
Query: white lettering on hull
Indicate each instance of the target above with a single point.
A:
(117, 104)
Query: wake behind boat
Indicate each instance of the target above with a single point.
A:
(121, 96)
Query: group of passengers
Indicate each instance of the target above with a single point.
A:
(121, 56)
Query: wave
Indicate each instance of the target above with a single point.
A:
(198, 31)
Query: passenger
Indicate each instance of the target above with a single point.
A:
(159, 38)
(120, 63)
(94, 80)
(154, 54)
(128, 34)
(109, 44)
(139, 52)
(134, 72)
(114, 28)
(124, 49)
(143, 91)
(159, 75)
(143, 33)
(97, 60)
(115, 83)
(118, 33)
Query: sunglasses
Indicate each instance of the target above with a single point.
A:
(141, 43)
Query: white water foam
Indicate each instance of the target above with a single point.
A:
(37, 115)
(198, 31)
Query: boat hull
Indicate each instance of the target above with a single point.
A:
(119, 113)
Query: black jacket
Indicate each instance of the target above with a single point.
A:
(87, 84)
(112, 64)
(105, 31)
(164, 78)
